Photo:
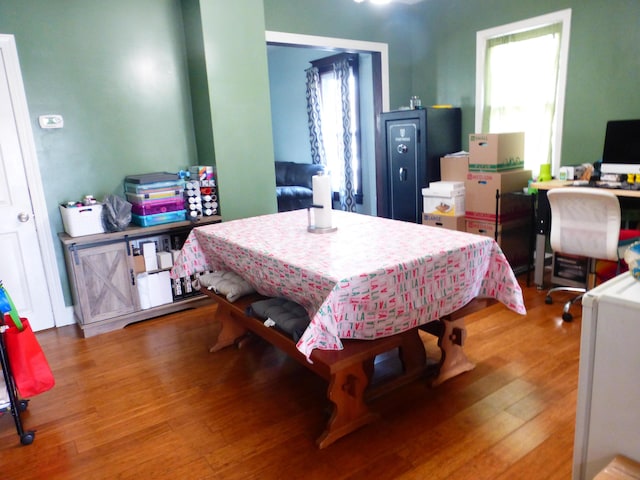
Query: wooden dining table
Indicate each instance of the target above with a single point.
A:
(368, 280)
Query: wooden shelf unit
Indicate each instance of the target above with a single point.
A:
(103, 279)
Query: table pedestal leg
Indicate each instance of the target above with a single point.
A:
(412, 354)
(346, 392)
(413, 359)
(454, 361)
(230, 332)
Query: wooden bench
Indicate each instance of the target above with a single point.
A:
(350, 370)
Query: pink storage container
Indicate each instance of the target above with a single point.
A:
(162, 205)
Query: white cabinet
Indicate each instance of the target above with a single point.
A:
(608, 410)
(103, 280)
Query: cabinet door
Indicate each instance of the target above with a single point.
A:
(404, 168)
(105, 282)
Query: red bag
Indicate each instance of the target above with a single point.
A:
(28, 364)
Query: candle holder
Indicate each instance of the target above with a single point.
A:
(312, 228)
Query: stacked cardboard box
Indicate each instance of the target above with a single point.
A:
(494, 178)
(444, 198)
(443, 205)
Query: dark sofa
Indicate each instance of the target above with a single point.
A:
(294, 184)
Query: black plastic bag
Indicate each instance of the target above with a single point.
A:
(116, 213)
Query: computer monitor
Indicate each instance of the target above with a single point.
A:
(621, 153)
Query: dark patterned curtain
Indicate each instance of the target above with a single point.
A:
(347, 193)
(313, 112)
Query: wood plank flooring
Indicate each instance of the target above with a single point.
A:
(150, 402)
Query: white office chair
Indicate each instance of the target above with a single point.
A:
(584, 222)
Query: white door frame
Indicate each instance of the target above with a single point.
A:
(34, 181)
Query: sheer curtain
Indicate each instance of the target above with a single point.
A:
(332, 116)
(521, 85)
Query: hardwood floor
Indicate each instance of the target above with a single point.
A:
(150, 402)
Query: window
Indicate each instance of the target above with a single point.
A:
(339, 123)
(520, 78)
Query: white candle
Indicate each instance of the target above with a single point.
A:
(322, 196)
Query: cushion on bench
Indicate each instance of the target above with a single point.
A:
(288, 316)
(229, 284)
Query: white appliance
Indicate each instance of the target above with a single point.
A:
(608, 409)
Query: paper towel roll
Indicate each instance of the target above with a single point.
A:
(321, 185)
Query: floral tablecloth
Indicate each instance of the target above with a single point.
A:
(370, 278)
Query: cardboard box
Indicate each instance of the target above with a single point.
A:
(513, 237)
(496, 152)
(164, 260)
(138, 264)
(84, 220)
(454, 168)
(481, 189)
(444, 198)
(444, 221)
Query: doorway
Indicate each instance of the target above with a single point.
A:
(289, 55)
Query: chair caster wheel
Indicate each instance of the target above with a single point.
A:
(567, 317)
(27, 438)
(548, 300)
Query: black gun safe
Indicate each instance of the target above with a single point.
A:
(411, 143)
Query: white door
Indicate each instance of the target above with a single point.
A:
(21, 261)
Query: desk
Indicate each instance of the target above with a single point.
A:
(373, 277)
(543, 220)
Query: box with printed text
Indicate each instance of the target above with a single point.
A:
(496, 152)
(486, 191)
(444, 198)
(444, 221)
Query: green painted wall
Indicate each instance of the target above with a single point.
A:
(198, 82)
(122, 90)
(116, 72)
(236, 64)
(603, 72)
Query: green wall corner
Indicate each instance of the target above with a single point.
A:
(236, 64)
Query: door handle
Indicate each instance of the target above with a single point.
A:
(402, 174)
(23, 217)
